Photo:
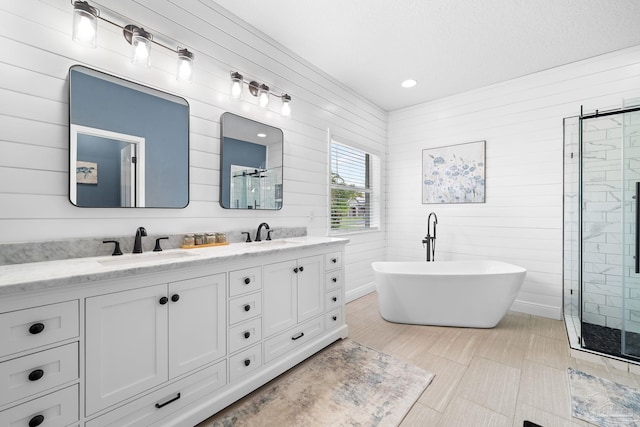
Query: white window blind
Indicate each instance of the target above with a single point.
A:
(355, 189)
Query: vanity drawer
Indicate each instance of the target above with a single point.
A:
(144, 411)
(245, 334)
(57, 409)
(27, 375)
(245, 281)
(245, 362)
(333, 319)
(333, 260)
(245, 307)
(286, 342)
(333, 280)
(34, 327)
(334, 299)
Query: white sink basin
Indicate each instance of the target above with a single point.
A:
(149, 257)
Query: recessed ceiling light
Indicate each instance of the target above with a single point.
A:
(262, 135)
(409, 83)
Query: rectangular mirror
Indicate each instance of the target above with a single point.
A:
(251, 158)
(128, 143)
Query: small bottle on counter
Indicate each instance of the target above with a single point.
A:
(210, 238)
(221, 238)
(199, 238)
(189, 240)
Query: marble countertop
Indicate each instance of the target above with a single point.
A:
(49, 274)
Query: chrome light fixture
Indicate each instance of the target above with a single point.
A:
(260, 91)
(236, 85)
(85, 31)
(185, 65)
(85, 24)
(140, 41)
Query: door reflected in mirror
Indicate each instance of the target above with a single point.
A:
(128, 143)
(251, 164)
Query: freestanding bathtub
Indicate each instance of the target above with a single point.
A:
(474, 294)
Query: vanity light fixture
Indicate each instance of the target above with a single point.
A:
(85, 24)
(85, 31)
(260, 91)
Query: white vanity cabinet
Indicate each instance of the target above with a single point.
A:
(167, 344)
(141, 338)
(294, 292)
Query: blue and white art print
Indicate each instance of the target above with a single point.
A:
(454, 174)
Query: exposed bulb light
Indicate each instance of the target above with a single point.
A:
(409, 83)
(185, 65)
(236, 85)
(286, 106)
(263, 96)
(140, 41)
(85, 24)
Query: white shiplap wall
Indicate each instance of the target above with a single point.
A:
(35, 37)
(521, 120)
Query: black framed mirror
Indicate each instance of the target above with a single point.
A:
(128, 143)
(251, 159)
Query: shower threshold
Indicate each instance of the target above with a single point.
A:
(607, 340)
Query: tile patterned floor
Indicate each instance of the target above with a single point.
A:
(484, 377)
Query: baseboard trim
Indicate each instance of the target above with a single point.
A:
(354, 294)
(537, 309)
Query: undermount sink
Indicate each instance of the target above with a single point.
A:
(149, 257)
(277, 242)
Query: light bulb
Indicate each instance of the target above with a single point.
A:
(236, 85)
(140, 41)
(185, 65)
(263, 96)
(286, 106)
(85, 24)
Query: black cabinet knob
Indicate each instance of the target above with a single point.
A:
(36, 421)
(335, 279)
(334, 260)
(334, 318)
(247, 307)
(175, 297)
(301, 268)
(164, 300)
(36, 374)
(334, 299)
(247, 280)
(247, 362)
(247, 334)
(36, 328)
(295, 270)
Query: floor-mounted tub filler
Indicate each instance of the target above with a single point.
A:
(474, 294)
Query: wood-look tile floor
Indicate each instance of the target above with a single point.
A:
(484, 377)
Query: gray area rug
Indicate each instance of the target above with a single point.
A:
(347, 384)
(603, 402)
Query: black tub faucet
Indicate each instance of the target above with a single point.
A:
(260, 227)
(430, 240)
(137, 245)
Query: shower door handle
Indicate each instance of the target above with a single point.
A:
(637, 249)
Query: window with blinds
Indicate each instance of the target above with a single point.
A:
(355, 189)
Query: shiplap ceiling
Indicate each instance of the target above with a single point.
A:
(448, 46)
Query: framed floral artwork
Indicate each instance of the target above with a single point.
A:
(454, 174)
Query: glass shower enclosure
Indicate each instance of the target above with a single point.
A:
(601, 265)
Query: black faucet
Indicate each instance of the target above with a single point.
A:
(137, 245)
(429, 239)
(263, 225)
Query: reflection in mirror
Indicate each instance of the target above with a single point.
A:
(251, 164)
(128, 143)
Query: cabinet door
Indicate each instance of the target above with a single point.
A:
(196, 323)
(280, 296)
(126, 345)
(310, 287)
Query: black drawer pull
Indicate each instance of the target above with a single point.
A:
(36, 328)
(301, 268)
(295, 270)
(163, 300)
(36, 421)
(35, 375)
(247, 307)
(335, 279)
(247, 280)
(334, 318)
(334, 299)
(300, 335)
(247, 362)
(160, 405)
(247, 334)
(175, 297)
(334, 260)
